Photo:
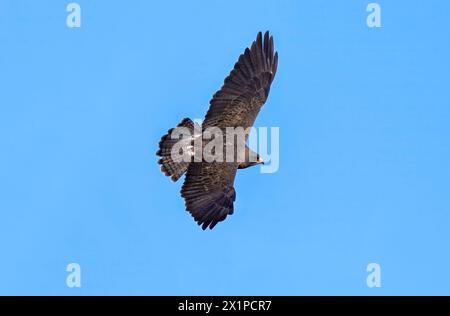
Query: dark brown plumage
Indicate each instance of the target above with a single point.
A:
(208, 188)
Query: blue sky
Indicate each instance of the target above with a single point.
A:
(364, 148)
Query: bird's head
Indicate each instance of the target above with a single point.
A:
(247, 164)
(259, 160)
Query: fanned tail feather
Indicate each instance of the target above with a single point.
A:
(171, 168)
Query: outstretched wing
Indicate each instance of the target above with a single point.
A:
(246, 88)
(208, 191)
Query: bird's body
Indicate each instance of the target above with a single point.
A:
(208, 188)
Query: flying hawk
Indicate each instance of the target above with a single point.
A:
(208, 187)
